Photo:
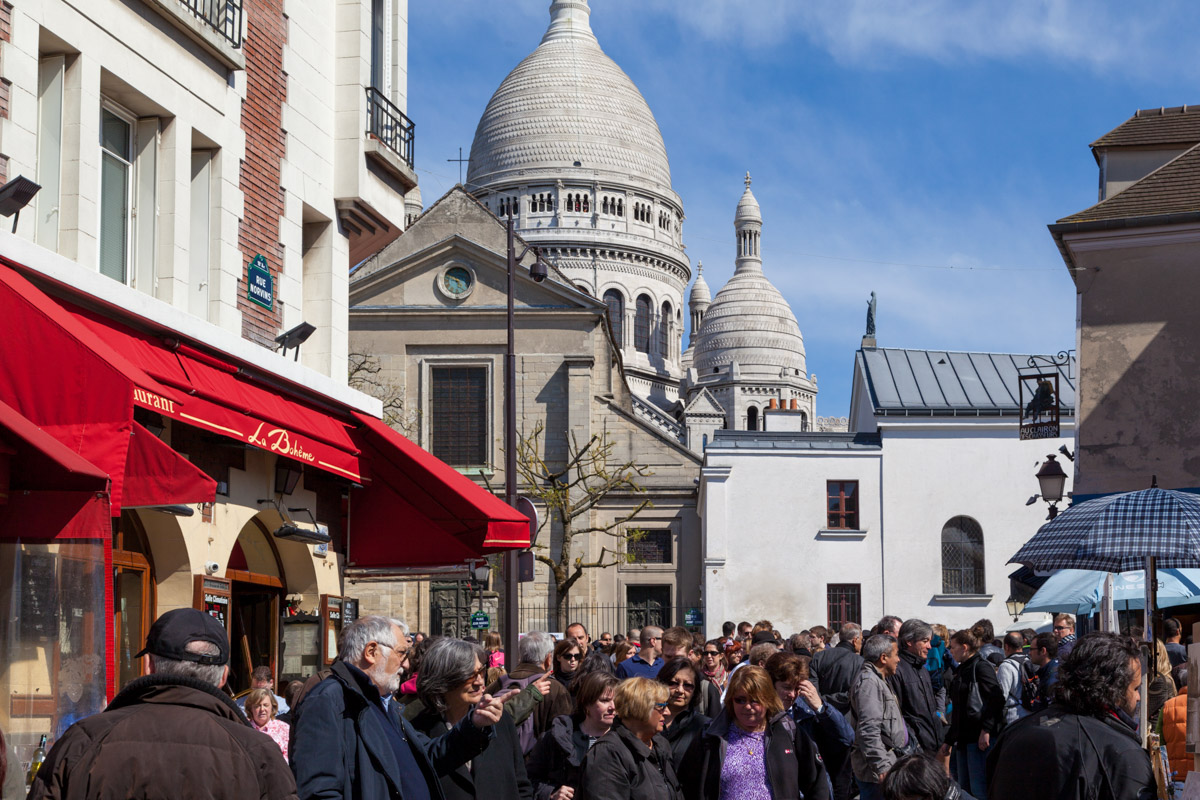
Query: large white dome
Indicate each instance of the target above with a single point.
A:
(567, 106)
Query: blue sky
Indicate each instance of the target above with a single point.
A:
(914, 149)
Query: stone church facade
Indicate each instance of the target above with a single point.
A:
(431, 308)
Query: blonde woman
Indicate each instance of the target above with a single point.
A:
(261, 708)
(633, 760)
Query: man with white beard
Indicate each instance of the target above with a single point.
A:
(351, 741)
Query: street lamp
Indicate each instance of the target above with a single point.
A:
(511, 566)
(1052, 481)
(1015, 607)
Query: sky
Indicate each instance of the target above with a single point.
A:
(915, 149)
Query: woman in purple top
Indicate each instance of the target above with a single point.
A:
(753, 750)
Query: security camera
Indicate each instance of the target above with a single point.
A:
(211, 567)
(537, 271)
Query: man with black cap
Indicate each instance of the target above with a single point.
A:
(171, 733)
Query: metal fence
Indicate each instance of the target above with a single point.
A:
(389, 125)
(223, 16)
(614, 617)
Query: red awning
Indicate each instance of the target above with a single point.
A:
(220, 399)
(417, 511)
(155, 475)
(39, 462)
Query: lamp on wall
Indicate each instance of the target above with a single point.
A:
(311, 532)
(294, 338)
(1015, 607)
(15, 195)
(1052, 481)
(287, 475)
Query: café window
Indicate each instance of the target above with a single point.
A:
(842, 505)
(458, 415)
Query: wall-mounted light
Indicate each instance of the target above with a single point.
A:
(294, 338)
(1052, 481)
(15, 195)
(287, 475)
(1015, 607)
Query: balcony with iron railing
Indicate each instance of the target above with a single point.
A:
(390, 127)
(215, 25)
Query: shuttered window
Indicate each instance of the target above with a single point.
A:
(458, 415)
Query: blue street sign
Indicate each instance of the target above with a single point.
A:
(260, 287)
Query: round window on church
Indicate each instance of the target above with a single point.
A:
(456, 282)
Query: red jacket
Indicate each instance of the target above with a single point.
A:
(1174, 731)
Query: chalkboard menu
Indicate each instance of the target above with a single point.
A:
(39, 597)
(331, 623)
(212, 595)
(349, 610)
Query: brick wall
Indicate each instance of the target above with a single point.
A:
(5, 84)
(262, 119)
(5, 22)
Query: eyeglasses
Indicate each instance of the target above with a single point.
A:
(478, 674)
(746, 701)
(660, 707)
(713, 653)
(678, 684)
(572, 657)
(1061, 628)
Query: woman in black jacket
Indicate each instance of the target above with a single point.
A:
(755, 747)
(978, 713)
(450, 683)
(633, 760)
(685, 723)
(555, 764)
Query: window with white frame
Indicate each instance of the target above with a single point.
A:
(116, 193)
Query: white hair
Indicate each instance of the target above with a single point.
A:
(207, 673)
(535, 647)
(357, 635)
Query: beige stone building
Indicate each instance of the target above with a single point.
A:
(432, 308)
(1133, 258)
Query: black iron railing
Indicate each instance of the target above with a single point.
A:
(223, 16)
(389, 125)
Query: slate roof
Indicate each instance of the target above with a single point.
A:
(1151, 126)
(791, 440)
(1173, 188)
(940, 382)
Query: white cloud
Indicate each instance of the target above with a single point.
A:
(873, 33)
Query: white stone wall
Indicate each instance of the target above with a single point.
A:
(759, 504)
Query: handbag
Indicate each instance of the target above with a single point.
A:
(974, 698)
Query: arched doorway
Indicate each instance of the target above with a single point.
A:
(257, 593)
(133, 594)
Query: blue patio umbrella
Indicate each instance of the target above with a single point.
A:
(1078, 591)
(1118, 532)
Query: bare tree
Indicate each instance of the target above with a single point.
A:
(568, 497)
(365, 373)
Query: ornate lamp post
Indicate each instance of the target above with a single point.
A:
(1052, 481)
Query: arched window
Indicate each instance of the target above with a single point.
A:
(604, 205)
(752, 419)
(803, 421)
(620, 208)
(664, 331)
(616, 314)
(641, 324)
(962, 557)
(587, 203)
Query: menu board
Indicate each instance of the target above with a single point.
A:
(212, 595)
(331, 622)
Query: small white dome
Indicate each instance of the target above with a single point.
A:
(747, 208)
(700, 292)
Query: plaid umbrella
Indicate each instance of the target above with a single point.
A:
(1117, 532)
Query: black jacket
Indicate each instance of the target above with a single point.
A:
(621, 767)
(557, 758)
(965, 726)
(137, 748)
(794, 767)
(914, 690)
(498, 773)
(832, 671)
(682, 732)
(1057, 755)
(340, 749)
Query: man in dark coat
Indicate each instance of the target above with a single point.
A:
(834, 669)
(913, 686)
(352, 742)
(1085, 745)
(169, 730)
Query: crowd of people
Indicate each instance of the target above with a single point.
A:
(906, 710)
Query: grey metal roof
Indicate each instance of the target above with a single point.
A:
(941, 382)
(792, 440)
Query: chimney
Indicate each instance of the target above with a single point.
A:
(774, 404)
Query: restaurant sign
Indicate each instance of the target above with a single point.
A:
(1040, 407)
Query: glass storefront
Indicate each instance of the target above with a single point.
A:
(53, 670)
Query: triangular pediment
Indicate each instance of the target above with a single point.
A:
(455, 257)
(703, 404)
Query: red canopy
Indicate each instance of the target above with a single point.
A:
(155, 475)
(417, 511)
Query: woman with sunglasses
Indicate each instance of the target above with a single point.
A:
(633, 760)
(712, 664)
(754, 750)
(685, 722)
(450, 683)
(568, 655)
(556, 762)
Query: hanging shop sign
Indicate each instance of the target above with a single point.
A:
(1039, 402)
